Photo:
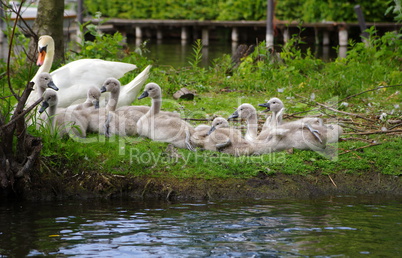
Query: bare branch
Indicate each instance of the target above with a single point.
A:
(23, 113)
(9, 53)
(378, 88)
(376, 132)
(370, 145)
(339, 111)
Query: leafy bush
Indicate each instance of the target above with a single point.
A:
(309, 11)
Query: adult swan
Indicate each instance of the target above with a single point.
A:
(75, 78)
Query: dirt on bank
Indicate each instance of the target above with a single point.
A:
(85, 185)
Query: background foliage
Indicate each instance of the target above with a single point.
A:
(307, 11)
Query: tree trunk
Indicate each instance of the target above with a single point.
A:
(49, 21)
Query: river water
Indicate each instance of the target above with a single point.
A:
(173, 53)
(332, 227)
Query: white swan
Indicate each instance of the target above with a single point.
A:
(161, 127)
(76, 77)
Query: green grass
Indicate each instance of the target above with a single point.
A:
(299, 80)
(142, 157)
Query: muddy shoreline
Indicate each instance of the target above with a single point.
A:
(86, 185)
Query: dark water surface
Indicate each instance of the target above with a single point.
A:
(331, 227)
(174, 53)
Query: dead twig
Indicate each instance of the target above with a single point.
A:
(376, 132)
(10, 48)
(332, 181)
(378, 88)
(345, 113)
(395, 126)
(339, 111)
(357, 139)
(197, 119)
(359, 148)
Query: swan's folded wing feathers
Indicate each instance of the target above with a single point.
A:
(89, 70)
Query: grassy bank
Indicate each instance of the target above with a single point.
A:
(360, 92)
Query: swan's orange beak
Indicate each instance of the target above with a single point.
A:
(41, 56)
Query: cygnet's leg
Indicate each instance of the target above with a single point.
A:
(106, 126)
(221, 146)
(315, 132)
(187, 141)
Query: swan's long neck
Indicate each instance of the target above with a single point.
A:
(276, 118)
(114, 98)
(51, 112)
(87, 104)
(156, 105)
(40, 90)
(47, 65)
(252, 127)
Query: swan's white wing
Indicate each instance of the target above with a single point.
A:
(129, 92)
(89, 71)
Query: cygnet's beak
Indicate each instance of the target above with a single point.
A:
(103, 89)
(96, 104)
(45, 104)
(143, 95)
(234, 115)
(266, 105)
(52, 86)
(213, 128)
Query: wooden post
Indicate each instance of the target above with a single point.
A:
(159, 34)
(343, 36)
(235, 34)
(124, 34)
(286, 35)
(1, 26)
(80, 11)
(325, 38)
(269, 37)
(362, 22)
(138, 33)
(184, 33)
(316, 36)
(205, 36)
(80, 19)
(342, 51)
